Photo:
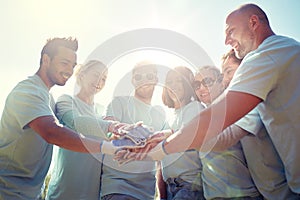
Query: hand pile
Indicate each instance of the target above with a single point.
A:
(134, 142)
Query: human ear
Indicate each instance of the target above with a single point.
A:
(254, 22)
(45, 59)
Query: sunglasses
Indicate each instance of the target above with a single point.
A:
(206, 82)
(148, 76)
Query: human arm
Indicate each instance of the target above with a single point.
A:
(160, 183)
(211, 121)
(71, 114)
(54, 133)
(229, 137)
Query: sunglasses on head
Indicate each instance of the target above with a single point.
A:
(148, 76)
(206, 82)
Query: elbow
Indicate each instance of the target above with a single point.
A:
(50, 135)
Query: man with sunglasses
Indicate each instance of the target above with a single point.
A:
(134, 180)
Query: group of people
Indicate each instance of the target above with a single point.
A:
(235, 130)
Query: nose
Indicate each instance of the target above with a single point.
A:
(228, 40)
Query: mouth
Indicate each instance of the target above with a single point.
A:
(66, 76)
(97, 87)
(204, 94)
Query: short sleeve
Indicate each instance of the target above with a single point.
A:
(256, 75)
(29, 104)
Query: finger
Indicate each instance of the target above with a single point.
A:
(142, 154)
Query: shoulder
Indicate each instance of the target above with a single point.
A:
(121, 100)
(65, 97)
(158, 110)
(29, 89)
(194, 105)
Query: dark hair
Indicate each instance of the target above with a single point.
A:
(187, 80)
(231, 54)
(53, 44)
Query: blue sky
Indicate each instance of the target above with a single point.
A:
(27, 24)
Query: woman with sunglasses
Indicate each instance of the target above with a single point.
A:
(225, 174)
(182, 171)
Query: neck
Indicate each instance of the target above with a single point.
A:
(179, 104)
(44, 79)
(264, 34)
(88, 99)
(145, 100)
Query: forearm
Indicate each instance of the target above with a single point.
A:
(211, 121)
(54, 133)
(191, 136)
(229, 137)
(68, 139)
(87, 125)
(160, 184)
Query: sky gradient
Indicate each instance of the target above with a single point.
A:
(27, 24)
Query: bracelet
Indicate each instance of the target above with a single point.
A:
(163, 147)
(101, 144)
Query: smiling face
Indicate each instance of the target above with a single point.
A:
(93, 79)
(60, 67)
(144, 80)
(239, 35)
(229, 67)
(207, 86)
(175, 88)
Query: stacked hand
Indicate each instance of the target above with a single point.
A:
(134, 142)
(152, 149)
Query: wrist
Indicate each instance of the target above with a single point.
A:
(107, 148)
(112, 126)
(158, 152)
(163, 147)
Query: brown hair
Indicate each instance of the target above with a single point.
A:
(187, 80)
(231, 54)
(53, 44)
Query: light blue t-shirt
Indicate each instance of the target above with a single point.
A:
(24, 155)
(226, 174)
(185, 165)
(271, 72)
(77, 175)
(136, 178)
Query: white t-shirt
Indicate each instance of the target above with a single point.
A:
(271, 72)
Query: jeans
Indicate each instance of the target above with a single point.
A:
(118, 197)
(178, 189)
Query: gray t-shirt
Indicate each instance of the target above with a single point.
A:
(185, 165)
(271, 72)
(136, 178)
(24, 155)
(77, 175)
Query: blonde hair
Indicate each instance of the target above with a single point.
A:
(85, 67)
(145, 64)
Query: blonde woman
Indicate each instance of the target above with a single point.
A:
(77, 175)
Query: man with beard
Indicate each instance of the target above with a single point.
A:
(268, 79)
(134, 180)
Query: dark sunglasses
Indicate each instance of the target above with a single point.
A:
(148, 76)
(206, 82)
